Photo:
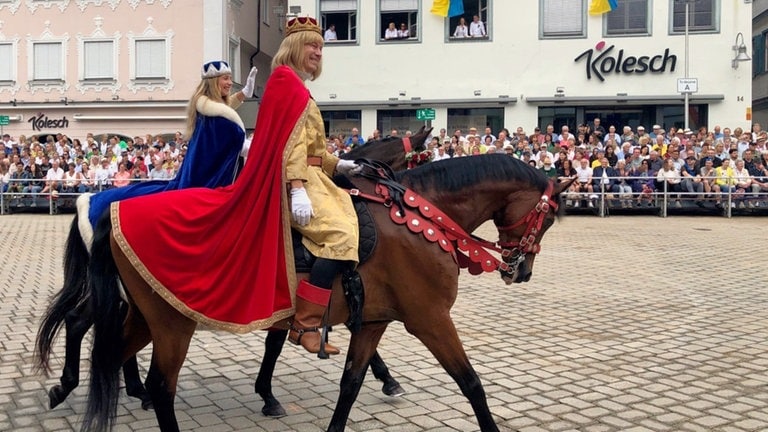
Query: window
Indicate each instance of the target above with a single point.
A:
(398, 20)
(702, 16)
(342, 15)
(759, 54)
(98, 60)
(630, 18)
(472, 30)
(234, 58)
(151, 59)
(342, 122)
(7, 69)
(47, 61)
(480, 118)
(563, 18)
(402, 120)
(265, 11)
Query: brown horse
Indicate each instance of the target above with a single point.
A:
(516, 197)
(70, 306)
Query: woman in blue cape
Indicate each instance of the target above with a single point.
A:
(217, 138)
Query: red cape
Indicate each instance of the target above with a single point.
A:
(222, 257)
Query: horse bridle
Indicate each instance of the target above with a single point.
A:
(513, 253)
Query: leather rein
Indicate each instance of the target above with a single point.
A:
(469, 251)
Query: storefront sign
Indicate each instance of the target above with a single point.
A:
(41, 121)
(603, 63)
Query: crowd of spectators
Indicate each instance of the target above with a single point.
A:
(68, 165)
(631, 166)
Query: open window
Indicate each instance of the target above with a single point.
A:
(398, 20)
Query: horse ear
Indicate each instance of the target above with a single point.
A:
(562, 186)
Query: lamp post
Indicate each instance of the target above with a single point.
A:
(686, 95)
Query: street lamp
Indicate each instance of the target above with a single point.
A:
(741, 52)
(686, 95)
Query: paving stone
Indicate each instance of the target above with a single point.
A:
(633, 343)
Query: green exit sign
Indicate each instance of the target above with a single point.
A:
(5, 120)
(425, 114)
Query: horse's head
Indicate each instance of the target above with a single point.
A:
(390, 150)
(522, 223)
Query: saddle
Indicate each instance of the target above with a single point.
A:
(350, 279)
(304, 260)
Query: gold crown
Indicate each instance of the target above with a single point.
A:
(300, 24)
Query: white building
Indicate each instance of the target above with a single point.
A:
(542, 62)
(124, 66)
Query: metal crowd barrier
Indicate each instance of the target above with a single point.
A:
(53, 200)
(603, 202)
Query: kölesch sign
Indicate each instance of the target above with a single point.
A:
(41, 121)
(604, 63)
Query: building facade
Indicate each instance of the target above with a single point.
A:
(535, 62)
(124, 67)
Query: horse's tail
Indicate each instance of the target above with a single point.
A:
(72, 294)
(106, 355)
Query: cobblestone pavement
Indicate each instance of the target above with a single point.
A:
(629, 324)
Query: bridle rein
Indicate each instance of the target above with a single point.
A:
(478, 259)
(513, 253)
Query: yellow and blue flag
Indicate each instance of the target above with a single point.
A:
(448, 8)
(599, 7)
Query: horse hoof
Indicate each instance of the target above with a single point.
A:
(141, 394)
(56, 395)
(147, 405)
(393, 389)
(274, 411)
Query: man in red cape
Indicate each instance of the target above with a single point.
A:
(223, 257)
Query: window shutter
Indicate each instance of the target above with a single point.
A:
(150, 59)
(6, 50)
(338, 5)
(47, 61)
(99, 61)
(563, 17)
(758, 54)
(399, 5)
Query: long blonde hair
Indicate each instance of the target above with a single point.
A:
(291, 52)
(208, 87)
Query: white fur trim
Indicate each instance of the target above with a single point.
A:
(83, 205)
(207, 107)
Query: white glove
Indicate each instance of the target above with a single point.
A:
(301, 206)
(347, 167)
(250, 83)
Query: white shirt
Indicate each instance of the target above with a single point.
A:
(330, 35)
(391, 34)
(477, 29)
(461, 31)
(403, 34)
(583, 174)
(55, 174)
(102, 175)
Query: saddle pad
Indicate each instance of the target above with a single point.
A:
(304, 259)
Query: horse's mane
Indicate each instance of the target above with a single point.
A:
(352, 154)
(458, 173)
(417, 141)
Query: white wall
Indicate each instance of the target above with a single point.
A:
(517, 63)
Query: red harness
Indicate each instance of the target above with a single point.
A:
(469, 252)
(535, 220)
(407, 145)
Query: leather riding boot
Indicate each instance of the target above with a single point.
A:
(311, 303)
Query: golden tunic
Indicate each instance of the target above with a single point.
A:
(332, 231)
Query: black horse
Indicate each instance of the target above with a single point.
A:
(71, 307)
